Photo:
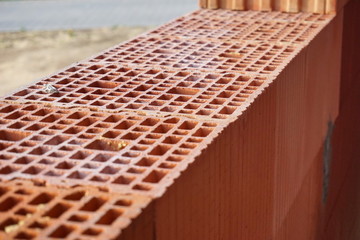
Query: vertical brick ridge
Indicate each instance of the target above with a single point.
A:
(291, 6)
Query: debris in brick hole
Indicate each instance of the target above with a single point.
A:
(50, 89)
(115, 145)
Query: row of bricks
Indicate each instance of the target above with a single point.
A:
(314, 6)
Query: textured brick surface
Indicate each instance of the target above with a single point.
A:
(292, 6)
(42, 211)
(137, 119)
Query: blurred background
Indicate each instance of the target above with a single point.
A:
(39, 37)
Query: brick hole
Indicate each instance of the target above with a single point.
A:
(57, 140)
(93, 204)
(113, 106)
(38, 225)
(76, 196)
(90, 166)
(124, 180)
(42, 112)
(47, 132)
(192, 106)
(166, 165)
(176, 104)
(72, 69)
(165, 97)
(31, 97)
(54, 173)
(88, 97)
(18, 125)
(58, 127)
(15, 115)
(139, 148)
(142, 187)
(106, 145)
(46, 161)
(8, 109)
(78, 218)
(188, 145)
(8, 170)
(182, 99)
(172, 140)
(24, 212)
(100, 179)
(159, 150)
(94, 130)
(42, 198)
(33, 170)
(220, 116)
(101, 158)
(8, 222)
(92, 232)
(87, 122)
(8, 203)
(5, 157)
(62, 232)
(141, 129)
(86, 136)
(9, 135)
(103, 84)
(111, 134)
(155, 176)
(36, 127)
(172, 120)
(25, 235)
(143, 88)
(132, 94)
(204, 112)
(162, 128)
(58, 154)
(183, 91)
(187, 125)
(28, 144)
(181, 152)
(136, 170)
(65, 100)
(57, 210)
(80, 155)
(73, 130)
(180, 132)
(98, 103)
(110, 170)
(24, 160)
(227, 110)
(146, 161)
(131, 136)
(65, 165)
(22, 192)
(109, 217)
(78, 175)
(13, 150)
(125, 125)
(65, 122)
(131, 154)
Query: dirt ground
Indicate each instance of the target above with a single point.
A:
(28, 56)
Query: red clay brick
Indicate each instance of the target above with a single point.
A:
(230, 97)
(43, 211)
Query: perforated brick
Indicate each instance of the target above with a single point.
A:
(259, 15)
(124, 153)
(34, 211)
(192, 54)
(153, 91)
(122, 125)
(240, 29)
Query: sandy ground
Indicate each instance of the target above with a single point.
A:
(28, 56)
